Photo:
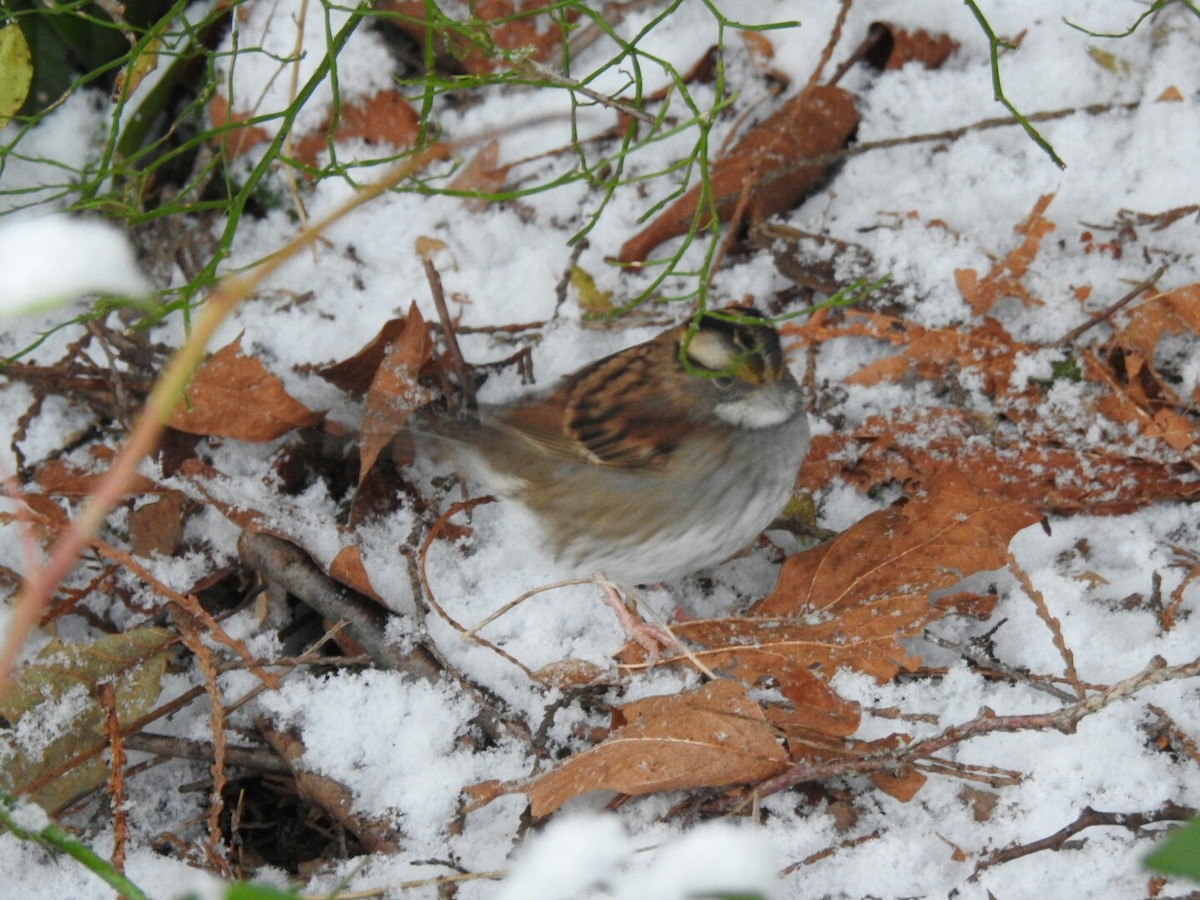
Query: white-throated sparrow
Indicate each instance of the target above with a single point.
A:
(654, 462)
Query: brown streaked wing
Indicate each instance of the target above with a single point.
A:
(615, 412)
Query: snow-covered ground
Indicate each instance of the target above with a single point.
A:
(923, 210)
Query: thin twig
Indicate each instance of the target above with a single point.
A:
(1089, 818)
(1133, 294)
(427, 591)
(827, 52)
(987, 663)
(183, 748)
(1064, 719)
(542, 71)
(457, 363)
(998, 89)
(1052, 623)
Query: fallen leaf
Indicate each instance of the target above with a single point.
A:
(902, 785)
(233, 396)
(591, 300)
(355, 373)
(568, 673)
(510, 25)
(481, 174)
(347, 567)
(63, 479)
(893, 47)
(712, 736)
(765, 172)
(890, 561)
(927, 353)
(1041, 469)
(157, 527)
(758, 45)
(1004, 277)
(384, 117)
(394, 391)
(63, 678)
(1172, 312)
(789, 654)
(1170, 94)
(236, 135)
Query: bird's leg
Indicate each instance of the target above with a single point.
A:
(650, 637)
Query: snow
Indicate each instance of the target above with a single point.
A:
(48, 260)
(400, 745)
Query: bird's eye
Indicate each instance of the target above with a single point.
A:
(723, 382)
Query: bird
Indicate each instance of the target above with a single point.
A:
(657, 461)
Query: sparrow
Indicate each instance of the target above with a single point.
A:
(662, 459)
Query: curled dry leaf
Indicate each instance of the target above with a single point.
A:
(1173, 312)
(1140, 398)
(233, 396)
(355, 373)
(394, 391)
(892, 47)
(1004, 277)
(765, 172)
(712, 736)
(347, 567)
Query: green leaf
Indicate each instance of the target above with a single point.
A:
(1179, 854)
(16, 71)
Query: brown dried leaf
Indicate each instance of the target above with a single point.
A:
(234, 396)
(394, 392)
(902, 785)
(1004, 277)
(1140, 397)
(384, 118)
(511, 24)
(712, 736)
(929, 352)
(157, 527)
(236, 137)
(889, 562)
(568, 673)
(764, 172)
(759, 46)
(1042, 470)
(763, 646)
(790, 654)
(982, 803)
(62, 479)
(347, 567)
(1174, 312)
(481, 173)
(893, 47)
(355, 373)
